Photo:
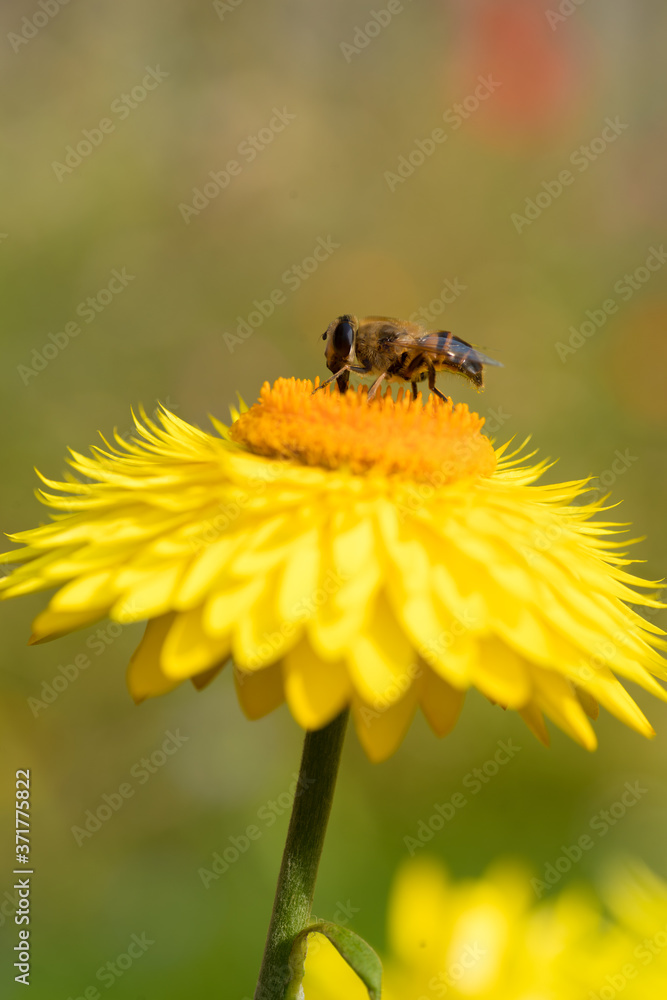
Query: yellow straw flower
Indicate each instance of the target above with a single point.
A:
(637, 899)
(380, 555)
(492, 939)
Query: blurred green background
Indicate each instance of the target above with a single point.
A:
(364, 104)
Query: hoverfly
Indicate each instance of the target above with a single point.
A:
(397, 350)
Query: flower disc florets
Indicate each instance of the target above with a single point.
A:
(333, 430)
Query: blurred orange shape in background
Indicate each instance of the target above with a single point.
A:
(538, 67)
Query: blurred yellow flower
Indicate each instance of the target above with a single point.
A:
(376, 555)
(638, 900)
(491, 939)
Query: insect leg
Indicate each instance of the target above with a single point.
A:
(414, 389)
(432, 386)
(342, 371)
(376, 385)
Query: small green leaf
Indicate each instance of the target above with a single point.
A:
(357, 953)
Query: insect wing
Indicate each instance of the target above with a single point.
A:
(445, 345)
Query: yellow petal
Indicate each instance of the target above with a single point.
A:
(350, 577)
(500, 674)
(149, 599)
(587, 702)
(144, 677)
(524, 630)
(453, 654)
(259, 691)
(353, 544)
(381, 661)
(223, 608)
(409, 556)
(298, 586)
(440, 702)
(316, 692)
(92, 590)
(534, 719)
(458, 586)
(261, 636)
(200, 681)
(267, 545)
(52, 624)
(346, 608)
(204, 571)
(381, 732)
(188, 649)
(555, 696)
(603, 687)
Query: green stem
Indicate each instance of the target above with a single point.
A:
(301, 858)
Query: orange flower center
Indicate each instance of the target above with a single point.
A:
(435, 441)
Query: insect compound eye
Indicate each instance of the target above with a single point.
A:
(343, 338)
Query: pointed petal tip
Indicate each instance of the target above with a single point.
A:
(542, 735)
(37, 638)
(375, 754)
(589, 742)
